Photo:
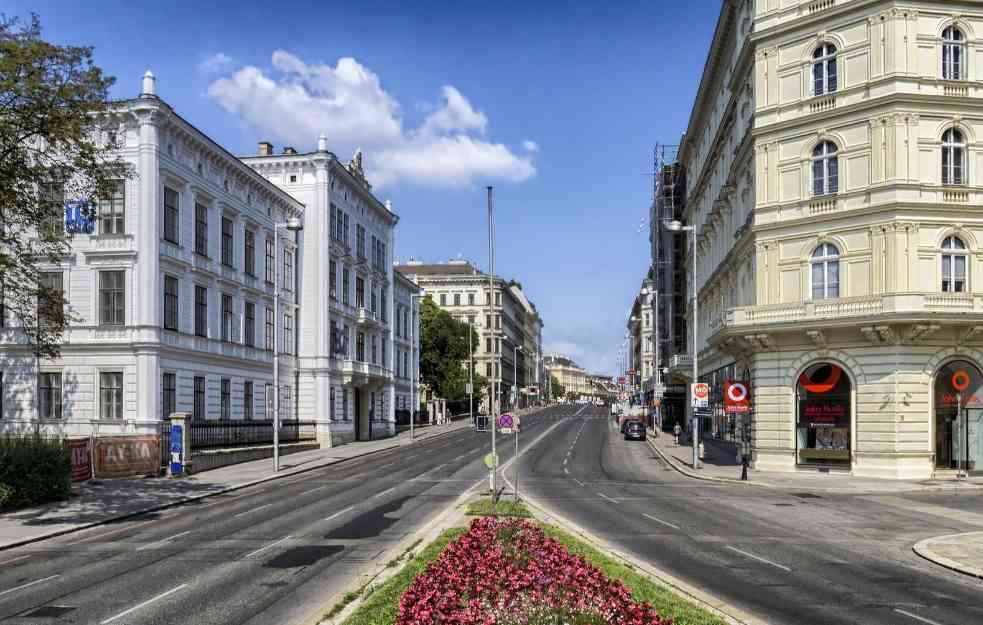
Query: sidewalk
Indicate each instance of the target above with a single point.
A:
(720, 465)
(959, 552)
(102, 501)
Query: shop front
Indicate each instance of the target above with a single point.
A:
(823, 417)
(959, 417)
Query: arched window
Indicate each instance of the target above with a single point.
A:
(824, 69)
(953, 265)
(953, 157)
(825, 170)
(953, 54)
(825, 272)
(824, 394)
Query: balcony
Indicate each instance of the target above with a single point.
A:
(364, 316)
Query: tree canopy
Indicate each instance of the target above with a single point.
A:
(52, 150)
(444, 352)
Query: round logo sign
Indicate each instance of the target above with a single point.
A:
(960, 380)
(736, 392)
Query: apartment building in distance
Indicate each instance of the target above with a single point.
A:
(406, 333)
(568, 373)
(173, 288)
(834, 167)
(461, 289)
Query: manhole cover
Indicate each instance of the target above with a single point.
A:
(51, 611)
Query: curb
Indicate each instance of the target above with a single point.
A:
(674, 463)
(729, 613)
(923, 548)
(186, 500)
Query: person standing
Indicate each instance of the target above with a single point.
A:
(676, 431)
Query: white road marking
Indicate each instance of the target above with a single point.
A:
(608, 498)
(383, 466)
(436, 468)
(162, 541)
(339, 513)
(14, 560)
(317, 488)
(250, 511)
(37, 581)
(262, 549)
(566, 470)
(385, 492)
(658, 520)
(144, 604)
(579, 482)
(760, 559)
(916, 617)
(412, 456)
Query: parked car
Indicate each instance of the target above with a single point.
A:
(634, 430)
(625, 421)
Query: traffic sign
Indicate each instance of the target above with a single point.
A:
(491, 460)
(700, 394)
(467, 388)
(736, 396)
(505, 420)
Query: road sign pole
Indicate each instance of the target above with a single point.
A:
(515, 460)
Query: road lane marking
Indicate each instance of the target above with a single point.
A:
(37, 581)
(436, 468)
(658, 520)
(103, 535)
(144, 604)
(566, 470)
(162, 541)
(760, 559)
(385, 492)
(412, 456)
(14, 560)
(579, 482)
(262, 549)
(317, 488)
(251, 510)
(916, 617)
(608, 498)
(339, 513)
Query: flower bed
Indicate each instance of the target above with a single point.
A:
(508, 572)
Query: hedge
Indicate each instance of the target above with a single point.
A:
(34, 469)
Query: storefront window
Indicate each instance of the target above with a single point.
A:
(959, 416)
(823, 424)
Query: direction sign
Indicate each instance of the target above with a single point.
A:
(736, 396)
(700, 394)
(505, 420)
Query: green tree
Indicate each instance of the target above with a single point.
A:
(557, 390)
(444, 353)
(53, 149)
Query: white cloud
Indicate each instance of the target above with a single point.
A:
(216, 63)
(530, 146)
(296, 101)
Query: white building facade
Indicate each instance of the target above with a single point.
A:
(406, 333)
(833, 166)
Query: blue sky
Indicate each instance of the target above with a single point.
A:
(558, 105)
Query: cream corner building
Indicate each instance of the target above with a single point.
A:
(834, 168)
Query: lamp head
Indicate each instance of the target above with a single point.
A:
(675, 225)
(294, 224)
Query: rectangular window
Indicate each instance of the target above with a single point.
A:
(249, 329)
(171, 215)
(471, 319)
(249, 264)
(170, 303)
(228, 243)
(49, 396)
(488, 370)
(470, 299)
(53, 198)
(201, 229)
(286, 403)
(168, 395)
(360, 347)
(488, 321)
(288, 334)
(201, 311)
(457, 299)
(344, 404)
(375, 349)
(288, 271)
(344, 229)
(247, 400)
(382, 304)
(345, 285)
(270, 261)
(269, 329)
(359, 292)
(111, 395)
(373, 299)
(111, 300)
(111, 210)
(498, 322)
(385, 359)
(498, 299)
(198, 408)
(226, 399)
(443, 299)
(360, 241)
(268, 401)
(333, 279)
(51, 298)
(228, 318)
(488, 345)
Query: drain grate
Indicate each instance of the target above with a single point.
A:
(51, 611)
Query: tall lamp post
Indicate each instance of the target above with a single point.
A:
(677, 226)
(293, 225)
(415, 362)
(492, 397)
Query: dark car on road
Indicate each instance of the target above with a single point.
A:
(634, 430)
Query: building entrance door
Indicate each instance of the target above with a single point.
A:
(945, 439)
(971, 440)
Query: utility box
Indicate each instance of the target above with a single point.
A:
(180, 449)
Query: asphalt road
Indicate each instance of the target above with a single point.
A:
(267, 554)
(794, 558)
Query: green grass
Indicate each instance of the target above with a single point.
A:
(382, 602)
(485, 507)
(665, 600)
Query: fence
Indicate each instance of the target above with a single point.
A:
(222, 434)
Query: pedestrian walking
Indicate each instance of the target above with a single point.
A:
(676, 432)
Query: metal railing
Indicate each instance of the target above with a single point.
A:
(222, 434)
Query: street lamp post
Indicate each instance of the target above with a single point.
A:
(294, 225)
(676, 226)
(492, 397)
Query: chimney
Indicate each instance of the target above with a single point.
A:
(265, 148)
(289, 150)
(149, 87)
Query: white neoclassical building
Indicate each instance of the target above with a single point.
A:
(173, 292)
(834, 172)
